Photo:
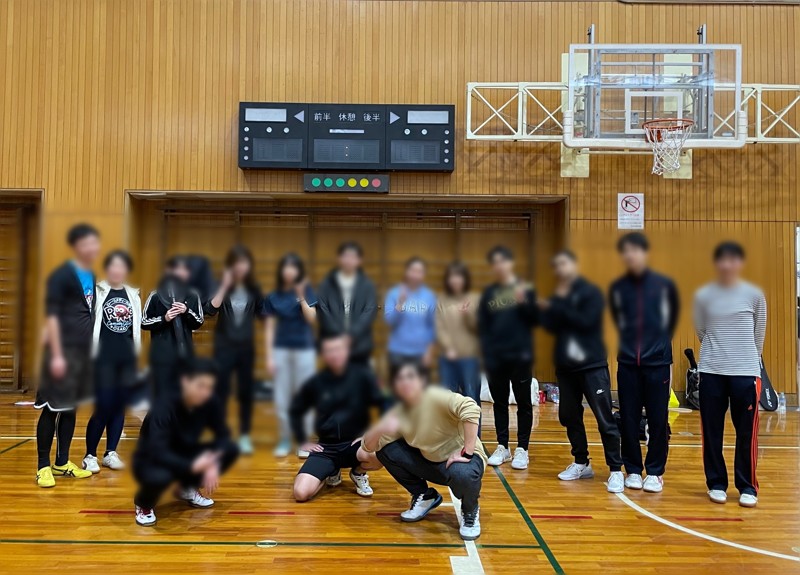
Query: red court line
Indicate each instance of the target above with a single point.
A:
(106, 511)
(709, 519)
(260, 512)
(561, 517)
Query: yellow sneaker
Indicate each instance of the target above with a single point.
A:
(44, 477)
(71, 470)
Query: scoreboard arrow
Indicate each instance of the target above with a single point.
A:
(393, 117)
(301, 115)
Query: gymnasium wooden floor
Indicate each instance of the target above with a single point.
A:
(532, 522)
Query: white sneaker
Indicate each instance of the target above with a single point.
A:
(145, 517)
(112, 461)
(500, 456)
(302, 454)
(283, 448)
(362, 484)
(748, 500)
(653, 484)
(245, 445)
(90, 464)
(718, 496)
(334, 480)
(616, 482)
(520, 460)
(421, 505)
(194, 498)
(577, 471)
(633, 481)
(470, 525)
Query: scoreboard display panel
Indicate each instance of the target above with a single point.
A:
(273, 136)
(420, 136)
(346, 137)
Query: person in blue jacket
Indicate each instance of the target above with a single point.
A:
(410, 312)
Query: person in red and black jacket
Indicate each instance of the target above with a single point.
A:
(644, 306)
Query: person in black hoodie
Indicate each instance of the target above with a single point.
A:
(644, 306)
(238, 303)
(342, 395)
(574, 314)
(348, 302)
(170, 450)
(506, 315)
(172, 312)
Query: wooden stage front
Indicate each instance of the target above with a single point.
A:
(532, 522)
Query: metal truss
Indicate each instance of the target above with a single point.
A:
(533, 112)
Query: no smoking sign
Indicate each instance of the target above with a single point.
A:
(630, 211)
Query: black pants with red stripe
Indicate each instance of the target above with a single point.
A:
(741, 392)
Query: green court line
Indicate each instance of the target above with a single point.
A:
(255, 543)
(23, 442)
(526, 516)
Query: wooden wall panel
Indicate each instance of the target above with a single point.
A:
(103, 96)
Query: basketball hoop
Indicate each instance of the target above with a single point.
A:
(666, 137)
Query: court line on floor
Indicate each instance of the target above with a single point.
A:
(26, 440)
(624, 498)
(531, 525)
(256, 543)
(471, 564)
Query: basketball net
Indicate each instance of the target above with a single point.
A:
(666, 137)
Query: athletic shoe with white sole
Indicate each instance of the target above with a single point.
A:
(194, 498)
(470, 525)
(421, 505)
(577, 471)
(653, 484)
(362, 484)
(718, 496)
(283, 448)
(520, 460)
(112, 461)
(145, 517)
(748, 500)
(245, 445)
(302, 454)
(633, 481)
(44, 477)
(90, 464)
(616, 482)
(500, 456)
(71, 470)
(334, 480)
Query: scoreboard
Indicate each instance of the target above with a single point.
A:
(346, 137)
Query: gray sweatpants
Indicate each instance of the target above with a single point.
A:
(411, 470)
(293, 367)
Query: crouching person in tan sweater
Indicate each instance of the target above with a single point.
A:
(431, 435)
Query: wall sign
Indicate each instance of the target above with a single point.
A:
(630, 211)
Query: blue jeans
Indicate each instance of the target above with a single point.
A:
(463, 376)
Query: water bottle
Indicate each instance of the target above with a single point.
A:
(782, 403)
(554, 395)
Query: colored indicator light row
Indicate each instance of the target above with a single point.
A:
(346, 183)
(351, 183)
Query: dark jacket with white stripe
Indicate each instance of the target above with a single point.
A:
(645, 311)
(164, 348)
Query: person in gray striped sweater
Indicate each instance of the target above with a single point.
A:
(730, 318)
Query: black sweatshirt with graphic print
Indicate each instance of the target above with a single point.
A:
(504, 325)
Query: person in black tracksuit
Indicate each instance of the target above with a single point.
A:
(237, 304)
(574, 314)
(342, 396)
(170, 449)
(347, 303)
(644, 306)
(507, 313)
(172, 312)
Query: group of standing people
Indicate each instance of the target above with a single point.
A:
(431, 434)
